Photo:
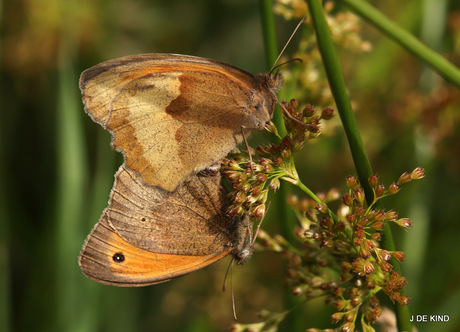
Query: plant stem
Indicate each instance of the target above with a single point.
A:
(269, 32)
(360, 159)
(291, 323)
(271, 53)
(331, 214)
(271, 50)
(339, 91)
(446, 69)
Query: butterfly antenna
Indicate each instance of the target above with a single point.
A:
(289, 40)
(230, 266)
(230, 269)
(233, 294)
(286, 62)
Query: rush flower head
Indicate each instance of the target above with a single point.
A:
(351, 246)
(252, 177)
(347, 243)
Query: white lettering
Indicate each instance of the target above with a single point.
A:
(439, 318)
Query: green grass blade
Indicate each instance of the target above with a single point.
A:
(283, 213)
(360, 159)
(447, 70)
(71, 295)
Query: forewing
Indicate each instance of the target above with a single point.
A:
(170, 115)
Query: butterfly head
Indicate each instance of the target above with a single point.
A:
(274, 81)
(262, 100)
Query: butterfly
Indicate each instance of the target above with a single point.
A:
(173, 117)
(148, 235)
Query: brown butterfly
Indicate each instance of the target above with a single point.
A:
(148, 235)
(173, 115)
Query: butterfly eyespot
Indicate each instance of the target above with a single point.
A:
(118, 257)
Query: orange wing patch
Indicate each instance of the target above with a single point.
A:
(108, 259)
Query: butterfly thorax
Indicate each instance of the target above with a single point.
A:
(243, 247)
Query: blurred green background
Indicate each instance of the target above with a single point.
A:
(57, 166)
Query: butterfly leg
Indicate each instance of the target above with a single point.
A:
(249, 150)
(289, 115)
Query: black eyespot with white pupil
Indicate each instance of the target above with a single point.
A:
(118, 257)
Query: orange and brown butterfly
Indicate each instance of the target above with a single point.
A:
(148, 235)
(173, 115)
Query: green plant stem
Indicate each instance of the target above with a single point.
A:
(447, 70)
(311, 194)
(268, 31)
(360, 159)
(337, 85)
(271, 53)
(291, 323)
(70, 193)
(271, 50)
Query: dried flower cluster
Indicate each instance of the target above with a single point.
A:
(344, 259)
(252, 180)
(339, 257)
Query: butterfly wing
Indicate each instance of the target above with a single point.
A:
(189, 220)
(109, 259)
(173, 115)
(148, 235)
